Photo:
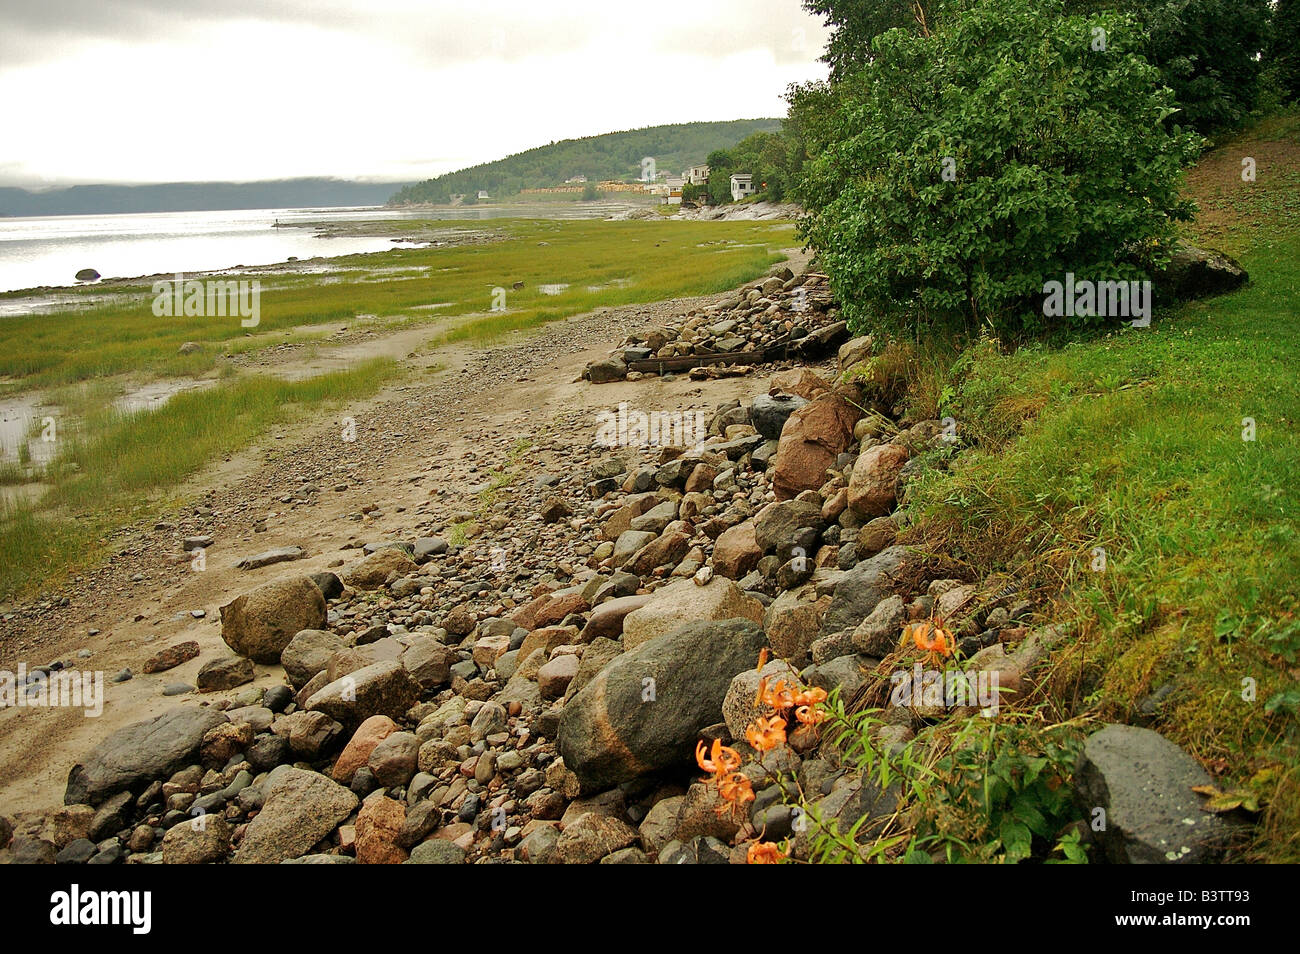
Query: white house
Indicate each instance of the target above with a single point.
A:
(696, 175)
(482, 193)
(675, 183)
(742, 185)
(575, 180)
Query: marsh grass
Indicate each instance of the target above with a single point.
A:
(121, 463)
(628, 262)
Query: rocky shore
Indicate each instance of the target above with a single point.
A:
(528, 677)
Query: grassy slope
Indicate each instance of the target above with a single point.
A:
(1133, 442)
(112, 465)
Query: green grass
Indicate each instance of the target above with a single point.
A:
(1133, 442)
(625, 262)
(112, 477)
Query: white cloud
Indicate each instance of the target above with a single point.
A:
(388, 89)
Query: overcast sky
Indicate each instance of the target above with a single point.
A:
(200, 90)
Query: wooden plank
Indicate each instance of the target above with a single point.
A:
(687, 361)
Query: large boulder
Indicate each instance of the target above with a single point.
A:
(873, 486)
(812, 438)
(382, 688)
(135, 755)
(643, 711)
(261, 622)
(1143, 783)
(300, 809)
(859, 590)
(1198, 273)
(685, 601)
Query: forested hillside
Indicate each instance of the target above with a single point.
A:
(610, 156)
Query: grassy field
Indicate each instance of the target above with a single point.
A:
(112, 466)
(601, 263)
(1174, 449)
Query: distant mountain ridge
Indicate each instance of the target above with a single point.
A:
(616, 155)
(194, 197)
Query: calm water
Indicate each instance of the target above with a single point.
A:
(50, 250)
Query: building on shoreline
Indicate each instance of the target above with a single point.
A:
(742, 186)
(696, 175)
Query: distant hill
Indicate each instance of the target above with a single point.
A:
(614, 155)
(194, 197)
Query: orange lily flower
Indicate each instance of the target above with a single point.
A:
(765, 734)
(809, 715)
(722, 760)
(930, 636)
(810, 697)
(780, 696)
(736, 789)
(764, 853)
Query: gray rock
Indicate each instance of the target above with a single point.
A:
(769, 412)
(269, 557)
(383, 688)
(308, 653)
(1197, 273)
(861, 589)
(777, 525)
(330, 586)
(220, 674)
(611, 731)
(610, 369)
(301, 808)
(429, 662)
(1143, 783)
(197, 842)
(260, 623)
(76, 852)
(137, 754)
(436, 851)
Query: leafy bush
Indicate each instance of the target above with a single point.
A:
(1209, 53)
(958, 172)
(1285, 55)
(970, 790)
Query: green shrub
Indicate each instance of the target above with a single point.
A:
(959, 172)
